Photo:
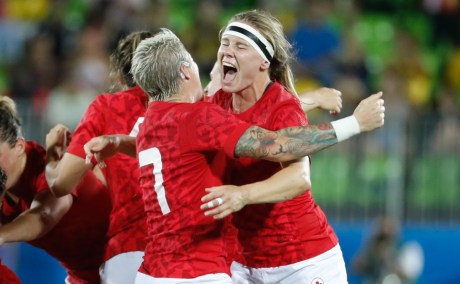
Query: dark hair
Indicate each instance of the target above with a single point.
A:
(10, 124)
(121, 58)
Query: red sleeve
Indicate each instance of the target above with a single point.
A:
(209, 128)
(91, 125)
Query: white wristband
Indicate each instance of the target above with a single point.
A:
(346, 127)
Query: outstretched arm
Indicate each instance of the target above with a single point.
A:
(296, 142)
(45, 212)
(103, 147)
(280, 146)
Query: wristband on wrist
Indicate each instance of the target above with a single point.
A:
(346, 127)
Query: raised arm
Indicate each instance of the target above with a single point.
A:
(296, 142)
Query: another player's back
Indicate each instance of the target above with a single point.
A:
(174, 150)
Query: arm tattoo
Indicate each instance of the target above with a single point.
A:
(285, 144)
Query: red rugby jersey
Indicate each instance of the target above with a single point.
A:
(287, 232)
(7, 276)
(176, 144)
(78, 240)
(119, 113)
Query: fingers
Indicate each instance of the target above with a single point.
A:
(99, 161)
(377, 95)
(218, 208)
(90, 149)
(216, 204)
(211, 201)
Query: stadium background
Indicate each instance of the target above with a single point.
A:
(53, 61)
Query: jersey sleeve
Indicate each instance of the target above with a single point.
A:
(210, 128)
(90, 126)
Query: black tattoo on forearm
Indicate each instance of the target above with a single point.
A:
(287, 143)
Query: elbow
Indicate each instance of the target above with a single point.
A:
(300, 184)
(305, 182)
(47, 222)
(56, 189)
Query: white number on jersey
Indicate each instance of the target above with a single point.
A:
(135, 129)
(152, 156)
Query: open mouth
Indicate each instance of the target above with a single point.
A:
(229, 72)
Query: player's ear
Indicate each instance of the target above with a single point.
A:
(184, 70)
(20, 146)
(265, 65)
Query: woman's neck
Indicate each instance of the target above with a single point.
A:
(17, 173)
(242, 101)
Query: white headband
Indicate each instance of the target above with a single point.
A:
(253, 37)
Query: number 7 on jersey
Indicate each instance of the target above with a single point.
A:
(152, 156)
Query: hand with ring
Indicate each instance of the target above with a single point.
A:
(216, 202)
(223, 200)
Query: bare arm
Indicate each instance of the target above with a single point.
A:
(291, 181)
(279, 146)
(108, 145)
(63, 174)
(324, 98)
(45, 212)
(285, 144)
(296, 142)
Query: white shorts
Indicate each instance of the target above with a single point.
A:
(122, 268)
(326, 268)
(217, 278)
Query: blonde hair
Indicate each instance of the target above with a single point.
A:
(272, 30)
(156, 64)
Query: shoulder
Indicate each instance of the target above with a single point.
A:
(221, 98)
(277, 96)
(35, 150)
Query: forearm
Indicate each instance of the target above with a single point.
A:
(294, 142)
(63, 176)
(308, 101)
(285, 144)
(286, 184)
(127, 145)
(26, 227)
(106, 146)
(46, 211)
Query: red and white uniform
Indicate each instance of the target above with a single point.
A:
(7, 276)
(278, 234)
(176, 145)
(119, 113)
(78, 240)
